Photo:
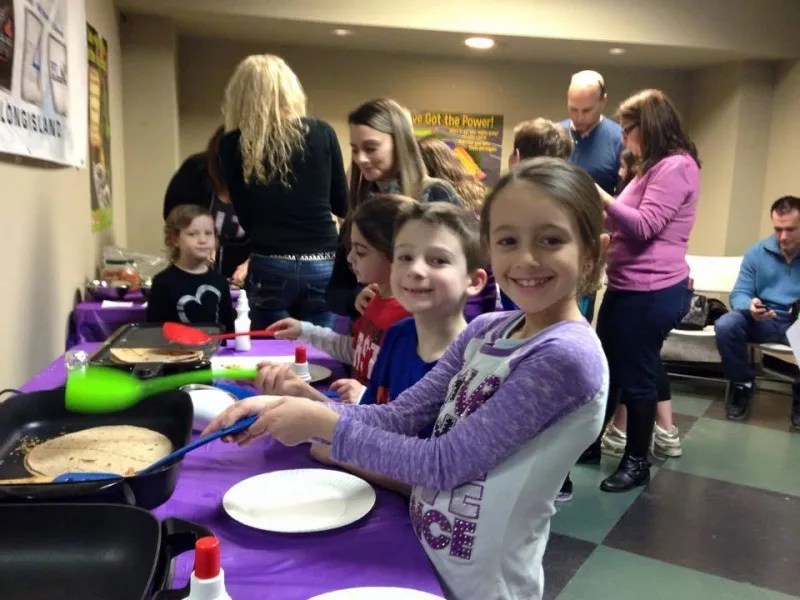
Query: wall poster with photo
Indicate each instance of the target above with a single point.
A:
(42, 80)
(99, 131)
(476, 139)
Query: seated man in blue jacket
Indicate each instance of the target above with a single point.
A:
(767, 287)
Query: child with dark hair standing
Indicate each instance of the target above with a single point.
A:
(371, 229)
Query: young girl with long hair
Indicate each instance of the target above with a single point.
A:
(515, 398)
(385, 159)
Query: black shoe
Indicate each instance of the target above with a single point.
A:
(590, 456)
(565, 493)
(738, 404)
(794, 418)
(631, 472)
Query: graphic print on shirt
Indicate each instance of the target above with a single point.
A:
(206, 299)
(454, 532)
(366, 347)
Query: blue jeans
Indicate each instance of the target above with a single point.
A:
(282, 287)
(585, 304)
(734, 330)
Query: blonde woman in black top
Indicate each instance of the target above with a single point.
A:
(285, 176)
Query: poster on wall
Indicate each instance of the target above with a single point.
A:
(42, 80)
(99, 131)
(476, 139)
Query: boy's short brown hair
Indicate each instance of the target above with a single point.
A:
(462, 222)
(542, 137)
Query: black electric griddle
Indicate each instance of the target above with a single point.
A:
(148, 335)
(90, 552)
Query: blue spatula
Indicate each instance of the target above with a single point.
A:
(240, 425)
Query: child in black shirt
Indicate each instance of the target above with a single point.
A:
(189, 291)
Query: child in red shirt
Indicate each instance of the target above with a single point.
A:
(370, 256)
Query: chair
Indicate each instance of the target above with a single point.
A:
(717, 275)
(713, 275)
(785, 373)
(694, 352)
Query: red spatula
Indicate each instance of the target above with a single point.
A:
(192, 336)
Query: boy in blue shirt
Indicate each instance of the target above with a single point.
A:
(437, 265)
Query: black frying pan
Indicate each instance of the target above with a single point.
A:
(42, 416)
(89, 552)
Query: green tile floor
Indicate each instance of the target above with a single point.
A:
(760, 457)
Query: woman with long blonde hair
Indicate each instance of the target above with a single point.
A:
(285, 175)
(385, 159)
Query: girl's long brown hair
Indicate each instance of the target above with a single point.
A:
(387, 116)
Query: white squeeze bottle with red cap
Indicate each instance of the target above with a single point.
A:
(242, 323)
(208, 578)
(300, 366)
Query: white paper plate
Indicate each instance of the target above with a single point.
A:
(299, 500)
(317, 372)
(375, 593)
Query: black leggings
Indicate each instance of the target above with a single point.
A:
(632, 327)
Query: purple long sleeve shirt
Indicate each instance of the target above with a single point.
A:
(650, 223)
(383, 438)
(511, 417)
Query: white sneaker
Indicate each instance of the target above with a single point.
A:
(613, 441)
(667, 443)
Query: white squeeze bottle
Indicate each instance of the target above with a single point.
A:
(208, 579)
(242, 323)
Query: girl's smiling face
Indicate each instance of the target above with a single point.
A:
(536, 253)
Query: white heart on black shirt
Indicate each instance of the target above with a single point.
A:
(207, 309)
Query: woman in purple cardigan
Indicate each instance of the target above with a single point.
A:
(648, 291)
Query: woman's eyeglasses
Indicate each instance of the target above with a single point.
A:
(626, 131)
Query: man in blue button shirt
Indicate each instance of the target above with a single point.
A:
(762, 299)
(597, 141)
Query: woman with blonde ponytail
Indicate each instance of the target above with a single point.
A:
(285, 175)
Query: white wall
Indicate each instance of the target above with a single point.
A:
(151, 120)
(731, 108)
(47, 242)
(782, 172)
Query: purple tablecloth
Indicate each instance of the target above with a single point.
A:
(90, 322)
(379, 550)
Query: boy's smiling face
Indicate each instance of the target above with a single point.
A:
(429, 270)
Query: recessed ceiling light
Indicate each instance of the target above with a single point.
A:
(479, 43)
(342, 32)
(616, 51)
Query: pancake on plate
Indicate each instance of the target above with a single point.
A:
(120, 449)
(154, 355)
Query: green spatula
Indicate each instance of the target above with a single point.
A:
(108, 390)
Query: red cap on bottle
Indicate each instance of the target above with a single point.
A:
(300, 355)
(206, 557)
